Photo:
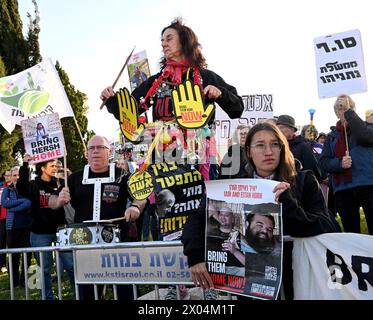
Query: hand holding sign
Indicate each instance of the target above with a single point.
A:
(190, 111)
(27, 157)
(129, 125)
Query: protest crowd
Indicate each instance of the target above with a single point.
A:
(155, 185)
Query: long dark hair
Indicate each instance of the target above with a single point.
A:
(190, 46)
(285, 170)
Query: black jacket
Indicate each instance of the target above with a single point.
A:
(302, 151)
(304, 214)
(230, 101)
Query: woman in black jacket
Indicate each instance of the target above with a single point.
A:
(181, 51)
(304, 211)
(182, 60)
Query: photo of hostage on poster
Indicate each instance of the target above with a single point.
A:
(244, 237)
(43, 138)
(138, 69)
(176, 190)
(178, 193)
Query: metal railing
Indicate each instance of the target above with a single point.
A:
(74, 248)
(104, 253)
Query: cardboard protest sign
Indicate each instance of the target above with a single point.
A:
(257, 108)
(189, 106)
(138, 69)
(178, 191)
(43, 137)
(244, 237)
(340, 64)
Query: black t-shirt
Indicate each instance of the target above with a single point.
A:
(215, 240)
(114, 196)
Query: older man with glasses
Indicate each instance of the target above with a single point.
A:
(109, 201)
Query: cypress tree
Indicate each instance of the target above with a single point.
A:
(18, 53)
(13, 53)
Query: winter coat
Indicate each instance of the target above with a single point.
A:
(360, 143)
(304, 214)
(18, 208)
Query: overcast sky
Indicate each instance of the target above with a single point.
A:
(260, 47)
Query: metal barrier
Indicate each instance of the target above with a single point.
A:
(146, 263)
(82, 251)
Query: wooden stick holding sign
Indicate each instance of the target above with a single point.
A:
(120, 73)
(347, 148)
(345, 130)
(65, 169)
(80, 134)
(68, 209)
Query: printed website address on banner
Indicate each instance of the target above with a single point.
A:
(137, 274)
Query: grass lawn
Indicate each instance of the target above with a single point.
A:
(363, 224)
(35, 294)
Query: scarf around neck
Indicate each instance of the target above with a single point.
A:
(174, 70)
(340, 152)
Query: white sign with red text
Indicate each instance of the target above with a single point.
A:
(43, 138)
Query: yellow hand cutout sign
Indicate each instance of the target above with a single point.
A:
(128, 114)
(190, 111)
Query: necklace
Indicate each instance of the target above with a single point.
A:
(160, 85)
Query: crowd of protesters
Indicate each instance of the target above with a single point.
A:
(341, 162)
(32, 209)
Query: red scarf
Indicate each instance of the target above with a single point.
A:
(340, 152)
(174, 70)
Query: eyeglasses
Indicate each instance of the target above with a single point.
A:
(262, 147)
(99, 148)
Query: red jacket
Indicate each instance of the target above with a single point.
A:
(3, 210)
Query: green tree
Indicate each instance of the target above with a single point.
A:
(33, 48)
(33, 58)
(13, 53)
(7, 141)
(2, 68)
(18, 53)
(74, 144)
(13, 48)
